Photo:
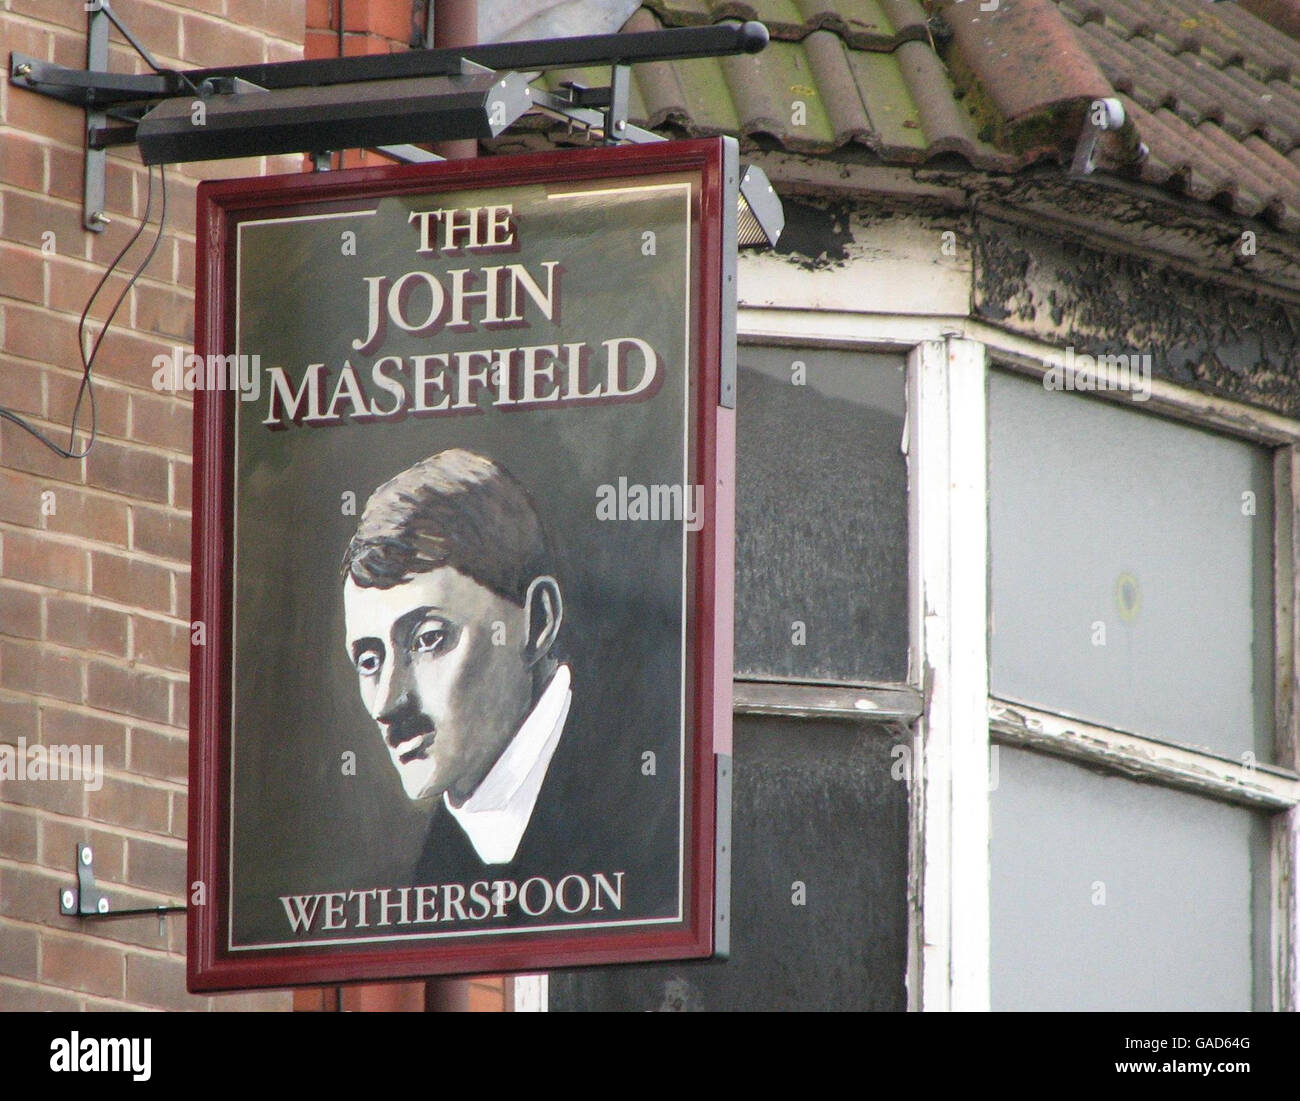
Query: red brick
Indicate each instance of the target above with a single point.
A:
(62, 727)
(127, 692)
(127, 357)
(65, 167)
(32, 894)
(159, 981)
(181, 703)
(24, 161)
(35, 333)
(158, 26)
(162, 644)
(19, 950)
(27, 216)
(165, 421)
(21, 273)
(79, 963)
(156, 867)
(182, 609)
(167, 312)
(131, 581)
(162, 755)
(486, 999)
(132, 805)
(24, 38)
(86, 626)
(26, 667)
(182, 485)
(59, 841)
(320, 44)
(34, 114)
(69, 44)
(20, 613)
(180, 816)
(59, 796)
(17, 835)
(185, 264)
(282, 18)
(164, 534)
(283, 51)
(182, 201)
(314, 999)
(88, 515)
(42, 561)
(19, 451)
(102, 248)
(110, 406)
(320, 14)
(358, 45)
(20, 385)
(20, 500)
(208, 38)
(19, 718)
(391, 20)
(71, 283)
(15, 998)
(128, 470)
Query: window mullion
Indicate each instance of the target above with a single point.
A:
(949, 962)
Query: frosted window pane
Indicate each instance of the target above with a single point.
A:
(1107, 894)
(1131, 583)
(821, 515)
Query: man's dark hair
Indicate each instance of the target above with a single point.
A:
(454, 509)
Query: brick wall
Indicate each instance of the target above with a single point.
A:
(94, 553)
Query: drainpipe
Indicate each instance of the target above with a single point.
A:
(455, 23)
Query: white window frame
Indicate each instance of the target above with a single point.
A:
(949, 358)
(955, 723)
(1274, 788)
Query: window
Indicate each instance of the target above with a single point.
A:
(1133, 619)
(820, 806)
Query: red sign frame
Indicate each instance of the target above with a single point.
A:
(222, 205)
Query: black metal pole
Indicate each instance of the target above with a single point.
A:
(674, 44)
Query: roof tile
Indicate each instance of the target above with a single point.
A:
(829, 65)
(863, 24)
(1025, 56)
(1281, 15)
(1210, 89)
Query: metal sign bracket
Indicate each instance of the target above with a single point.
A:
(88, 901)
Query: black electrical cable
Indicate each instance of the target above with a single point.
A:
(87, 362)
(87, 387)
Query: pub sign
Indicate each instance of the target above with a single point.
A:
(463, 523)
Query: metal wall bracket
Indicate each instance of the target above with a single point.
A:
(92, 199)
(730, 215)
(1103, 115)
(722, 859)
(141, 99)
(616, 113)
(88, 901)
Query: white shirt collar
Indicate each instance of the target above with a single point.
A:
(495, 816)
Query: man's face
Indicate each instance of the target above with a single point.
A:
(441, 662)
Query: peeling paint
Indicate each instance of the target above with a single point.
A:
(816, 237)
(1212, 338)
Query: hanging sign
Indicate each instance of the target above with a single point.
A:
(462, 558)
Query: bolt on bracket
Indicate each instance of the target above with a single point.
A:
(88, 901)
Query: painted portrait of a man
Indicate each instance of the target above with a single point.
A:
(465, 704)
(452, 613)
